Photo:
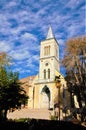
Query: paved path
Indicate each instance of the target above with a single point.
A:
(30, 113)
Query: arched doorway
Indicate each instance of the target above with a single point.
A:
(45, 97)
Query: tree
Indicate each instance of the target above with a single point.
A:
(5, 60)
(74, 62)
(11, 92)
(58, 85)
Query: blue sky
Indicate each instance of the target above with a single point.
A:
(24, 24)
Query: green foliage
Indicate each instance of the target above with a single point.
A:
(53, 117)
(11, 92)
(23, 120)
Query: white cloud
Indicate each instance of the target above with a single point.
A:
(19, 54)
(61, 42)
(11, 4)
(5, 47)
(73, 3)
(24, 25)
(36, 58)
(29, 36)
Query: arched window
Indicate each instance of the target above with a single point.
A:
(48, 73)
(44, 74)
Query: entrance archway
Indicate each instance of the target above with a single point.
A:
(45, 97)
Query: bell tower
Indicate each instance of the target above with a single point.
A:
(49, 57)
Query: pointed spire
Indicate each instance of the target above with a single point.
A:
(50, 33)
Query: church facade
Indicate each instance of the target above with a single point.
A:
(42, 89)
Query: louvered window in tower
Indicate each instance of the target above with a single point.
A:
(46, 50)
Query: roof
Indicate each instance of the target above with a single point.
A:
(50, 33)
(27, 83)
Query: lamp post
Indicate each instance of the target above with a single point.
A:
(58, 85)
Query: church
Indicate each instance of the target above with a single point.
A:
(42, 89)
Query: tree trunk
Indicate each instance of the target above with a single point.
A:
(3, 115)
